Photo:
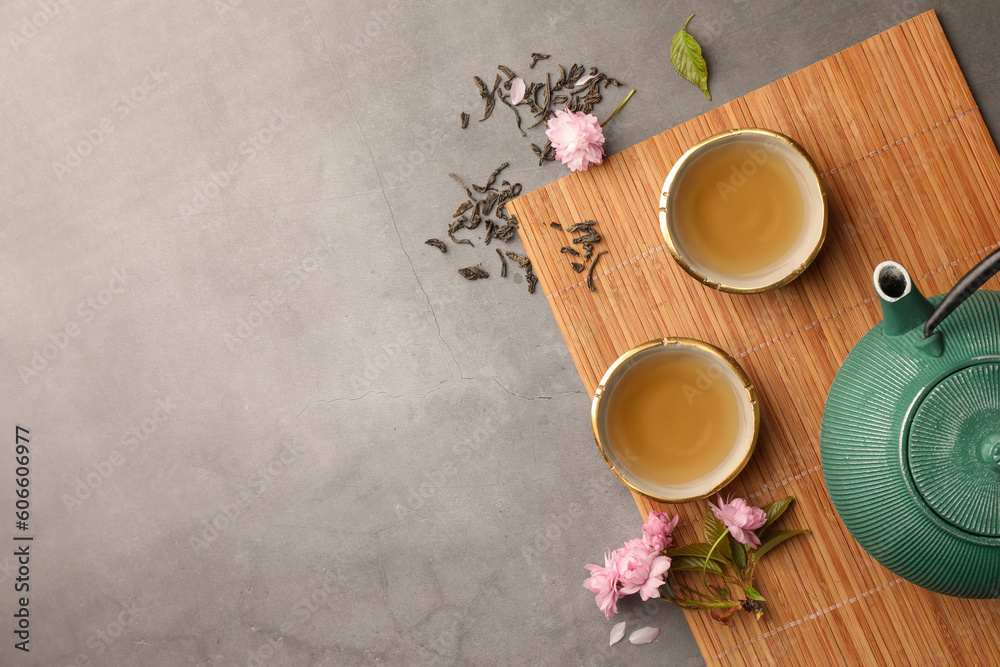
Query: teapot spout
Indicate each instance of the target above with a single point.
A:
(904, 308)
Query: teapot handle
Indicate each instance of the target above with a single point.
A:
(962, 290)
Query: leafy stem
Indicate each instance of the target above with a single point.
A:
(615, 112)
(704, 578)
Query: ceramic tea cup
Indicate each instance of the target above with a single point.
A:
(675, 419)
(744, 211)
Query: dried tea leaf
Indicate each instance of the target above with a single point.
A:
(503, 264)
(685, 54)
(578, 267)
(507, 72)
(608, 81)
(475, 219)
(483, 90)
(467, 190)
(561, 81)
(521, 260)
(560, 99)
(555, 225)
(458, 223)
(517, 89)
(535, 57)
(465, 120)
(503, 99)
(492, 178)
(488, 202)
(473, 273)
(437, 244)
(589, 237)
(506, 232)
(451, 235)
(490, 228)
(566, 249)
(588, 250)
(532, 280)
(582, 226)
(462, 209)
(547, 109)
(491, 100)
(590, 274)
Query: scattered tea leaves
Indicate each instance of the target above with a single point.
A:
(473, 273)
(590, 273)
(437, 244)
(465, 120)
(579, 91)
(566, 249)
(685, 54)
(502, 228)
(535, 57)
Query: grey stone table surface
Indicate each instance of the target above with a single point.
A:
(267, 424)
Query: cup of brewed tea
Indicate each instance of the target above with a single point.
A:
(744, 211)
(676, 419)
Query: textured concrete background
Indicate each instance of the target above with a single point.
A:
(268, 424)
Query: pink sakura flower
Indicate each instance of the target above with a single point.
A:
(657, 529)
(577, 138)
(641, 569)
(741, 519)
(604, 582)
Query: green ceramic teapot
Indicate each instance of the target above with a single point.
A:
(911, 434)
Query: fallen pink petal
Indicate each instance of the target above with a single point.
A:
(617, 633)
(517, 89)
(644, 635)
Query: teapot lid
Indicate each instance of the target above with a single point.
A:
(954, 449)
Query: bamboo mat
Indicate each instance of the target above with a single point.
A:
(912, 175)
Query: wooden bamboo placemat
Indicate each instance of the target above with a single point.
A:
(911, 174)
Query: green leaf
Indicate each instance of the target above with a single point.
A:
(739, 552)
(698, 549)
(685, 54)
(753, 594)
(693, 564)
(712, 528)
(774, 511)
(773, 539)
(723, 592)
